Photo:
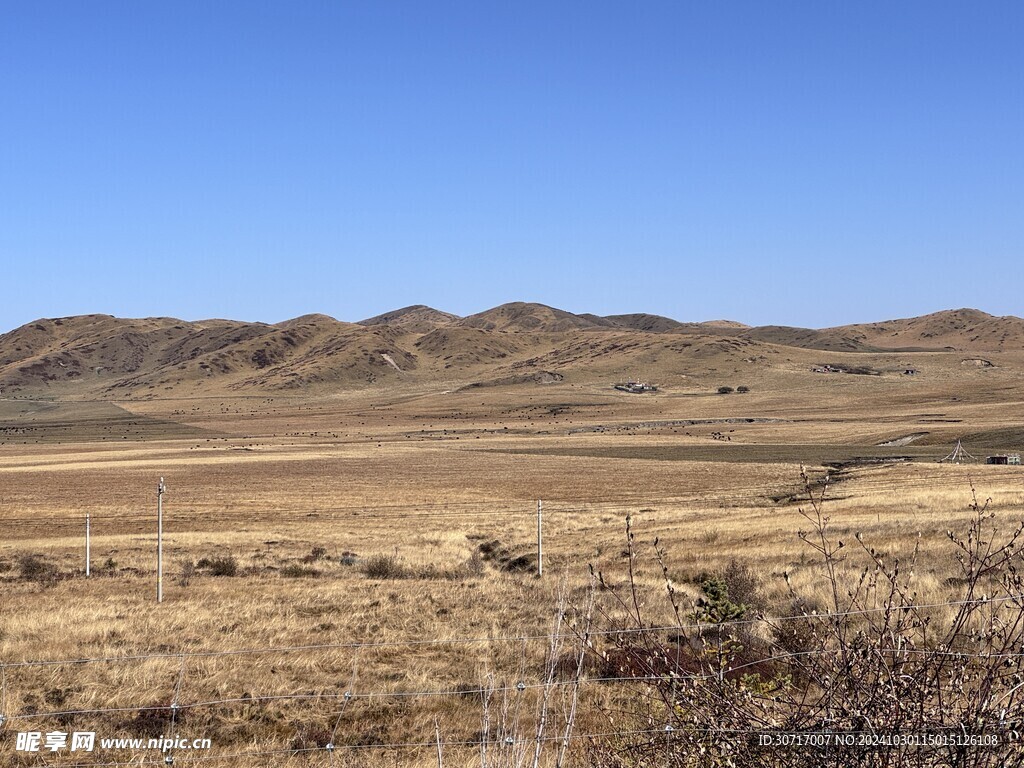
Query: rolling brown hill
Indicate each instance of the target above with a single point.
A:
(832, 340)
(103, 357)
(642, 321)
(521, 316)
(961, 330)
(418, 318)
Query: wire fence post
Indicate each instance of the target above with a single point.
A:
(88, 542)
(160, 541)
(540, 537)
(3, 695)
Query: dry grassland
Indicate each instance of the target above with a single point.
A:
(441, 488)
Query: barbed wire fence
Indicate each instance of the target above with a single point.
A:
(179, 703)
(176, 704)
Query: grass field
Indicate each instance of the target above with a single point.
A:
(391, 537)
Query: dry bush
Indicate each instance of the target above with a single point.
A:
(385, 567)
(317, 553)
(35, 568)
(219, 566)
(296, 571)
(188, 571)
(871, 663)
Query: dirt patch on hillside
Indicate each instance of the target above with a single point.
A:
(540, 377)
(902, 440)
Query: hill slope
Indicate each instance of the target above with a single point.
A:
(418, 318)
(521, 316)
(99, 356)
(962, 330)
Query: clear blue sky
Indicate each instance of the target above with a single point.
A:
(807, 163)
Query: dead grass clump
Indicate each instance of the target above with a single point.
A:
(188, 570)
(383, 567)
(296, 571)
(219, 566)
(494, 551)
(35, 568)
(520, 564)
(348, 559)
(743, 585)
(317, 553)
(309, 737)
(475, 565)
(153, 721)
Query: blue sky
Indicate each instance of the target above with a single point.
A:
(803, 163)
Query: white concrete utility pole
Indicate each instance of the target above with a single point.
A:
(88, 526)
(540, 537)
(160, 541)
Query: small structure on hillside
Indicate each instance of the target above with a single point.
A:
(910, 372)
(957, 456)
(636, 387)
(856, 370)
(1012, 459)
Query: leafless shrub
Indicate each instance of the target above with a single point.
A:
(511, 736)
(743, 585)
(296, 571)
(219, 566)
(317, 553)
(475, 565)
(35, 568)
(188, 570)
(385, 567)
(873, 664)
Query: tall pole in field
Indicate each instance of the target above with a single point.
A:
(160, 541)
(540, 537)
(88, 531)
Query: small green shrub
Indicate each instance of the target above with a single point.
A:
(716, 607)
(725, 390)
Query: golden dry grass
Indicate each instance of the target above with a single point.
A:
(426, 477)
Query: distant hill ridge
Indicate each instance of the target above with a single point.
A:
(104, 356)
